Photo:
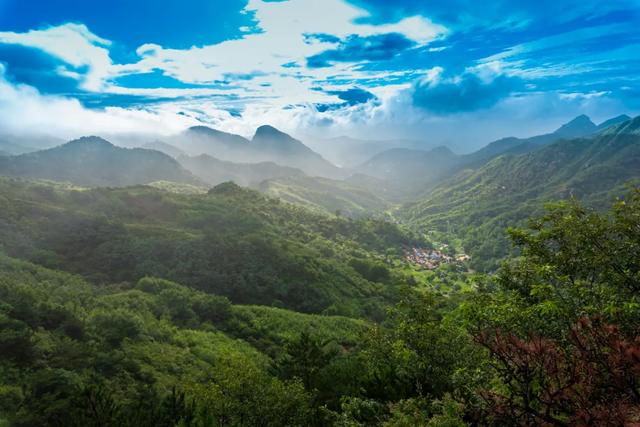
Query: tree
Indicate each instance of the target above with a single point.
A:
(305, 358)
(594, 380)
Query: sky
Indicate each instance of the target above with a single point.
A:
(457, 72)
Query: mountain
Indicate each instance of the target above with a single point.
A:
(613, 121)
(10, 148)
(270, 144)
(325, 195)
(204, 140)
(208, 134)
(410, 171)
(93, 161)
(350, 152)
(267, 145)
(626, 128)
(214, 171)
(229, 241)
(165, 148)
(580, 126)
(406, 173)
(478, 204)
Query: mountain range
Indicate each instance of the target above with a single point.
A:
(325, 195)
(267, 145)
(411, 173)
(472, 196)
(93, 161)
(478, 204)
(214, 171)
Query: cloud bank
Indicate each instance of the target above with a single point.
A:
(366, 68)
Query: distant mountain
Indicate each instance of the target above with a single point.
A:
(325, 195)
(613, 121)
(404, 173)
(621, 129)
(350, 152)
(93, 161)
(204, 140)
(410, 171)
(208, 134)
(478, 205)
(267, 145)
(214, 171)
(10, 148)
(581, 126)
(270, 144)
(165, 148)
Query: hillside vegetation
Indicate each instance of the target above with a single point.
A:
(231, 241)
(325, 195)
(478, 205)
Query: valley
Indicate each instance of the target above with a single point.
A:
(253, 282)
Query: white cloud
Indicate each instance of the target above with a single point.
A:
(23, 110)
(281, 39)
(73, 44)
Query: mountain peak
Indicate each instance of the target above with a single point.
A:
(91, 140)
(614, 121)
(268, 131)
(628, 127)
(204, 130)
(580, 126)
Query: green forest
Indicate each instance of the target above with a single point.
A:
(138, 306)
(422, 288)
(319, 213)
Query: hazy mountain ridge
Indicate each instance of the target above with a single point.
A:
(93, 161)
(214, 171)
(267, 145)
(349, 152)
(16, 144)
(412, 173)
(325, 195)
(165, 148)
(580, 126)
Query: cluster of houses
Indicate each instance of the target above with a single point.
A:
(432, 258)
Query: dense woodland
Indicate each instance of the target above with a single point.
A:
(176, 304)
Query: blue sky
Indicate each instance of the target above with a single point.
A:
(367, 68)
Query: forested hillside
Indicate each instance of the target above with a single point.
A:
(326, 195)
(214, 171)
(113, 349)
(478, 205)
(231, 241)
(93, 161)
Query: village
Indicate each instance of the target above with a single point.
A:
(433, 258)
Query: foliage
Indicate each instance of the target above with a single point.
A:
(134, 316)
(592, 381)
(477, 205)
(231, 241)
